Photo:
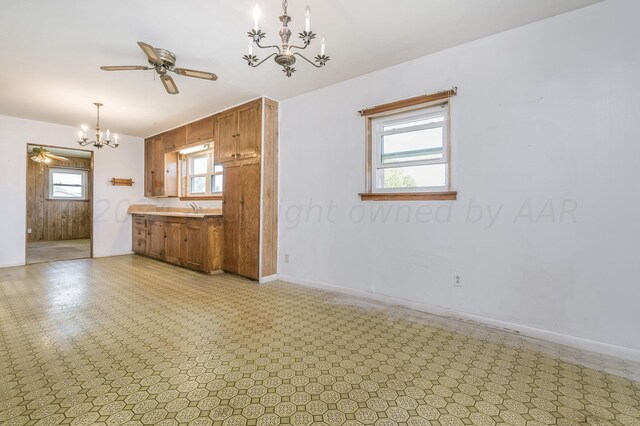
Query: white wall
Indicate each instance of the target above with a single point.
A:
(546, 116)
(112, 224)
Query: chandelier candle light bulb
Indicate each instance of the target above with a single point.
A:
(285, 54)
(323, 45)
(256, 18)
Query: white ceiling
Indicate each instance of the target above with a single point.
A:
(52, 51)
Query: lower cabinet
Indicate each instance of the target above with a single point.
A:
(195, 243)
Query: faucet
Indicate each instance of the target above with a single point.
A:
(196, 208)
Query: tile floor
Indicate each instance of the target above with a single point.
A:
(51, 251)
(127, 340)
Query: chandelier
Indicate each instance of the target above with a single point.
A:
(98, 142)
(285, 57)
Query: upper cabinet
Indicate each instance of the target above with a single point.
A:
(239, 133)
(201, 130)
(175, 139)
(161, 169)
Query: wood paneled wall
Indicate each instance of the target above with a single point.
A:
(52, 220)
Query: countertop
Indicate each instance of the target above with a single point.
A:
(178, 214)
(152, 210)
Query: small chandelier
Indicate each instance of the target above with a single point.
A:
(98, 142)
(284, 55)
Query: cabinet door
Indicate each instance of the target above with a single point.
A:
(194, 245)
(158, 167)
(201, 130)
(155, 246)
(249, 221)
(175, 139)
(249, 129)
(170, 171)
(148, 167)
(172, 243)
(225, 143)
(231, 218)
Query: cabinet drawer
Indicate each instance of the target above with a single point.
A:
(139, 233)
(139, 222)
(139, 245)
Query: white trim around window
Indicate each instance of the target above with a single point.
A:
(410, 151)
(68, 184)
(204, 178)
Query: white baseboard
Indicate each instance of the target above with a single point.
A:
(124, 253)
(12, 264)
(268, 279)
(537, 333)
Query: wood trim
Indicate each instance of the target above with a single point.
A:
(418, 100)
(204, 197)
(90, 192)
(409, 196)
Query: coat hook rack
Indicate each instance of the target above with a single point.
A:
(121, 182)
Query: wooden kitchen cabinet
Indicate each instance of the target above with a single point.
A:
(240, 211)
(192, 242)
(239, 133)
(244, 240)
(174, 139)
(161, 169)
(173, 242)
(249, 130)
(194, 245)
(225, 141)
(200, 131)
(155, 238)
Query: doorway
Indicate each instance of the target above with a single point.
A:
(59, 204)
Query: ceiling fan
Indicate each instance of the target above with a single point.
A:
(163, 61)
(44, 156)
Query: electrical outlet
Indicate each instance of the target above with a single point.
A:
(286, 258)
(28, 230)
(457, 281)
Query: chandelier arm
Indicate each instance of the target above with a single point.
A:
(268, 47)
(298, 47)
(302, 56)
(262, 61)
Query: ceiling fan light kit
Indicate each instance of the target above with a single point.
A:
(99, 142)
(284, 56)
(162, 62)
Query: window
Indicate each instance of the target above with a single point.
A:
(410, 151)
(204, 178)
(68, 184)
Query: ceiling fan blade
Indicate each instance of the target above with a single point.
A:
(125, 68)
(195, 73)
(169, 84)
(151, 53)
(56, 157)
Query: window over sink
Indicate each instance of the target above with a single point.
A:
(201, 177)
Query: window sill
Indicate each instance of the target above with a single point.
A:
(409, 196)
(66, 199)
(201, 197)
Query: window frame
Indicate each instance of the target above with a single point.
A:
(69, 170)
(395, 117)
(208, 153)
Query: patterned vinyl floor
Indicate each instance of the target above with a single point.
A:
(127, 340)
